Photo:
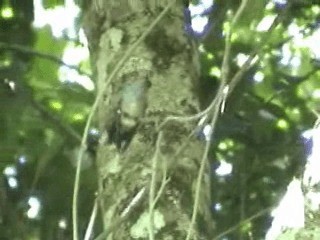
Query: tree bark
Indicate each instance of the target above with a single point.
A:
(154, 175)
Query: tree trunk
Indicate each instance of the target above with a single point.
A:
(147, 170)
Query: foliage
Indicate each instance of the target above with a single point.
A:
(259, 133)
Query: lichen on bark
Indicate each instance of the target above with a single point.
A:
(167, 54)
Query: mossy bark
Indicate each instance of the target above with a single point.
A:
(169, 58)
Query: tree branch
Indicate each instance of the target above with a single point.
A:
(93, 110)
(254, 216)
(22, 49)
(152, 198)
(216, 104)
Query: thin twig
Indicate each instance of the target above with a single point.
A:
(152, 189)
(164, 182)
(93, 216)
(56, 121)
(252, 57)
(317, 122)
(216, 103)
(224, 75)
(236, 78)
(227, 50)
(187, 118)
(93, 110)
(126, 213)
(221, 96)
(231, 229)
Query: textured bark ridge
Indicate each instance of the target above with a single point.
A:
(166, 59)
